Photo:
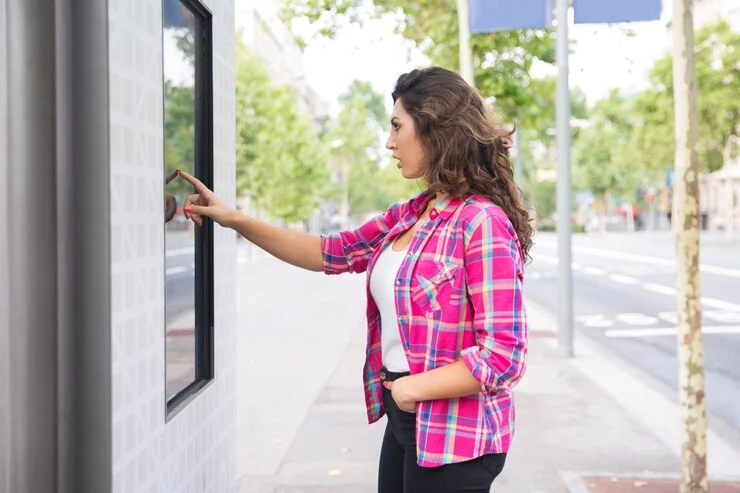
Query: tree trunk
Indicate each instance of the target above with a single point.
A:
(686, 216)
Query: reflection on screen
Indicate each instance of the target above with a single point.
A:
(179, 152)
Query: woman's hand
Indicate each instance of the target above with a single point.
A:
(401, 394)
(204, 203)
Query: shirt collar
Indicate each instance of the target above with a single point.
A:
(444, 208)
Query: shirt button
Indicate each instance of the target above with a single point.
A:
(433, 213)
(398, 282)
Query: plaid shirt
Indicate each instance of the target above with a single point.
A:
(458, 296)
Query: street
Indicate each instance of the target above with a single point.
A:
(179, 274)
(624, 298)
(302, 424)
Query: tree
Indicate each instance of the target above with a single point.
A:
(539, 145)
(358, 156)
(717, 74)
(179, 135)
(179, 118)
(686, 214)
(602, 156)
(629, 141)
(502, 61)
(281, 161)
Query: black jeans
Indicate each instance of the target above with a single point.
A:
(399, 472)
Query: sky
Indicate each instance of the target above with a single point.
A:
(604, 57)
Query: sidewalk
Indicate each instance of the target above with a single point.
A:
(586, 425)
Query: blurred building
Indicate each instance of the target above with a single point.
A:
(720, 194)
(719, 191)
(260, 27)
(263, 32)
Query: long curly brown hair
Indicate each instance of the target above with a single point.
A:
(466, 149)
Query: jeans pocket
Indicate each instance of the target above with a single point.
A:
(402, 423)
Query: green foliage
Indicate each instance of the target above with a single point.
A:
(179, 135)
(718, 76)
(543, 197)
(630, 141)
(502, 60)
(602, 157)
(357, 156)
(280, 159)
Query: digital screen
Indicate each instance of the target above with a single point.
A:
(187, 146)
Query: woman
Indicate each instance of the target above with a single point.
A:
(445, 272)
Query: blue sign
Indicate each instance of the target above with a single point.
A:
(612, 12)
(487, 16)
(173, 14)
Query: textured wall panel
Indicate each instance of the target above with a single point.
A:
(196, 450)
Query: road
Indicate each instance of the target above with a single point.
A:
(624, 297)
(179, 274)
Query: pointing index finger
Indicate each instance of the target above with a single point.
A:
(199, 187)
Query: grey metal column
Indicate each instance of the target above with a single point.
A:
(4, 274)
(564, 192)
(32, 245)
(85, 449)
(518, 164)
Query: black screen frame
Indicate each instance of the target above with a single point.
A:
(204, 237)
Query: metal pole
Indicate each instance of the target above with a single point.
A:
(84, 251)
(31, 216)
(730, 191)
(5, 423)
(564, 227)
(466, 55)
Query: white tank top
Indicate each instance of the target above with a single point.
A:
(382, 285)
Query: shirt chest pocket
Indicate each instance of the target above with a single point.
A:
(438, 284)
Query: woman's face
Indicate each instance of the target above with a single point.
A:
(404, 144)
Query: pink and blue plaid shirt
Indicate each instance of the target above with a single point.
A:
(458, 296)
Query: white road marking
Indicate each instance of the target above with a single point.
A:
(670, 317)
(642, 319)
(722, 316)
(594, 321)
(659, 288)
(636, 319)
(593, 271)
(722, 305)
(623, 279)
(668, 331)
(180, 251)
(598, 252)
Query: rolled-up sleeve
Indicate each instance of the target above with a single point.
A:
(350, 251)
(494, 272)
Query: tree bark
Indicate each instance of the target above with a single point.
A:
(686, 216)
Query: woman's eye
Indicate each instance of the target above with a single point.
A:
(395, 126)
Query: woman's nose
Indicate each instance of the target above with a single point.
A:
(390, 144)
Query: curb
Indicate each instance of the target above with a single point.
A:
(635, 391)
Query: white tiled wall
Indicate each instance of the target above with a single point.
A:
(196, 450)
